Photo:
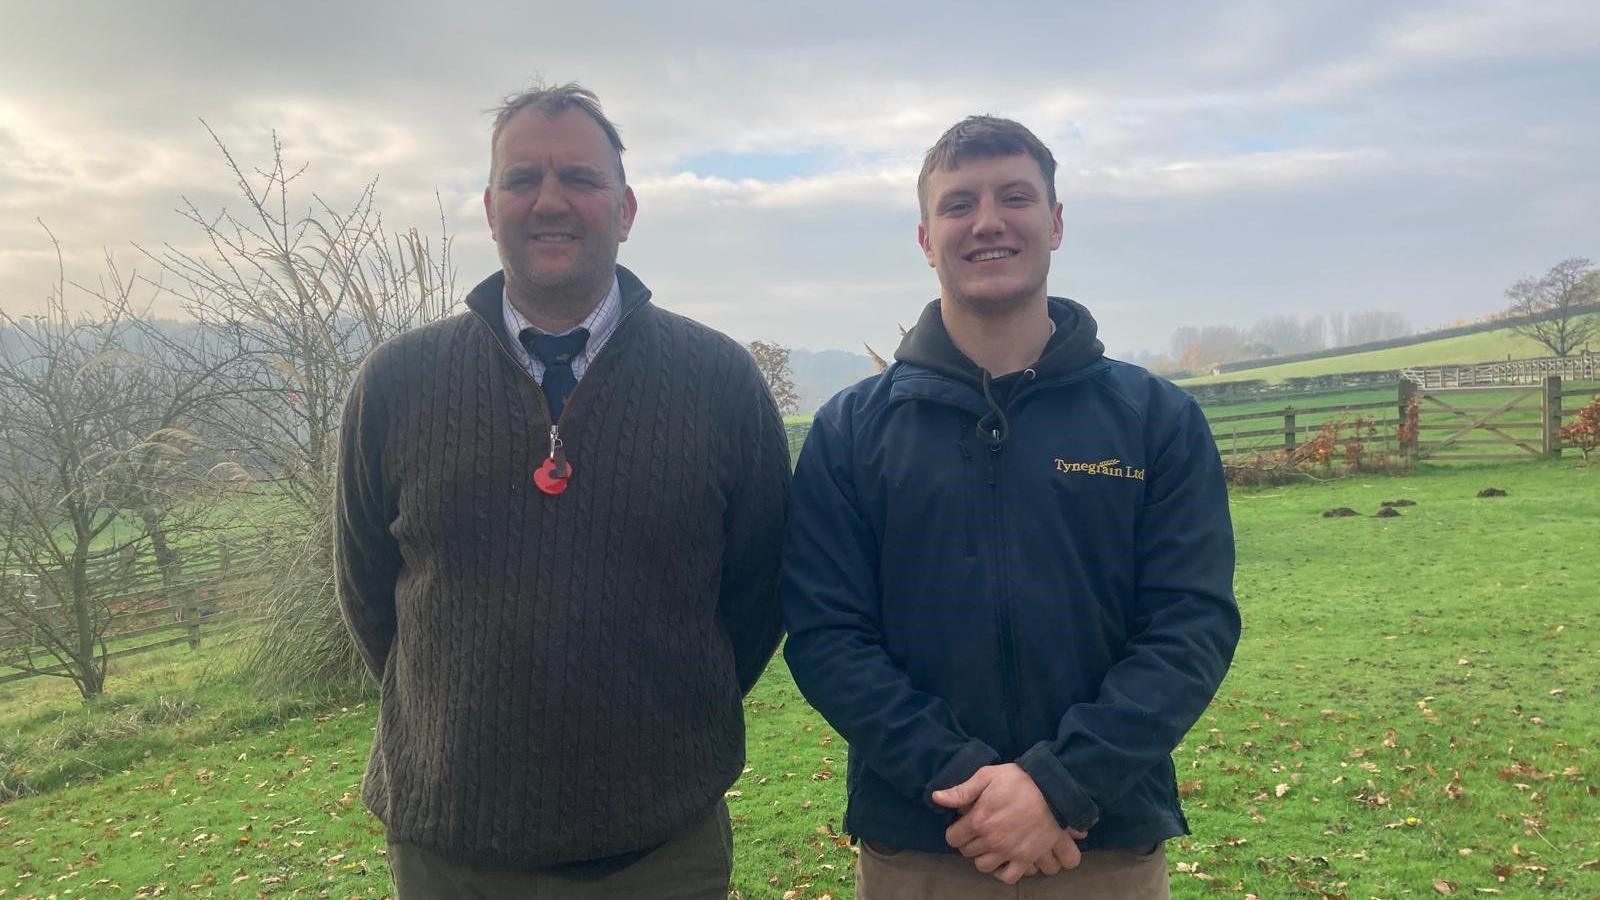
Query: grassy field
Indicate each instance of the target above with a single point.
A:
(1413, 711)
(1485, 346)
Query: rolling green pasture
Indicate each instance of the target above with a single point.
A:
(1485, 346)
(1413, 711)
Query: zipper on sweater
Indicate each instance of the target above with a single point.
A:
(1002, 609)
(558, 452)
(579, 386)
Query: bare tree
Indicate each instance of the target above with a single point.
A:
(1337, 330)
(96, 470)
(1200, 348)
(294, 299)
(1289, 334)
(1557, 310)
(1370, 325)
(773, 361)
(297, 300)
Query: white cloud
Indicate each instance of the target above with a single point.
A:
(1267, 171)
(1202, 148)
(1498, 30)
(686, 190)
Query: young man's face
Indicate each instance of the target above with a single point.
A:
(989, 231)
(556, 204)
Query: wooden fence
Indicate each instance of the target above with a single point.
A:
(1454, 424)
(1584, 366)
(150, 612)
(1489, 423)
(796, 433)
(1294, 388)
(1494, 424)
(1286, 428)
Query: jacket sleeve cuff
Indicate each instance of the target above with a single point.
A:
(1071, 804)
(972, 756)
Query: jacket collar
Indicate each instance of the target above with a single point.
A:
(1073, 346)
(930, 366)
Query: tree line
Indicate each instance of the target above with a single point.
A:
(1559, 310)
(1195, 348)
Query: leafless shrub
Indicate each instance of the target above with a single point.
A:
(292, 302)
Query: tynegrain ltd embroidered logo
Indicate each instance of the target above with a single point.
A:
(1110, 468)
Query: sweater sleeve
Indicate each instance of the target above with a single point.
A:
(1184, 625)
(836, 647)
(753, 523)
(367, 558)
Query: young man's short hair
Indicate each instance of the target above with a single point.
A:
(984, 137)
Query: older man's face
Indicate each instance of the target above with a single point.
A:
(557, 206)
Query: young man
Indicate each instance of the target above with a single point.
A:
(560, 518)
(1008, 579)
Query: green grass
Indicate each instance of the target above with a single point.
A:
(1387, 664)
(1413, 699)
(1485, 346)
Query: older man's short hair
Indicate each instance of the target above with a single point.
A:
(984, 137)
(551, 101)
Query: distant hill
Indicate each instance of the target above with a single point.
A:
(1485, 346)
(819, 374)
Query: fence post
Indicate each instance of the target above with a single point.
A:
(1289, 442)
(1406, 390)
(191, 617)
(1552, 415)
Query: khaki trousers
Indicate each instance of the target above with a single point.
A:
(886, 874)
(695, 865)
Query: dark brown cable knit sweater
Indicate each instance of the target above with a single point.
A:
(562, 675)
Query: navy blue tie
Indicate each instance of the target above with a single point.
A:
(557, 353)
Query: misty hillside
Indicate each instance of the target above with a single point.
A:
(819, 374)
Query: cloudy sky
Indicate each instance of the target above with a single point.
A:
(1219, 162)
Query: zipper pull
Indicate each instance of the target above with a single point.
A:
(552, 474)
(558, 452)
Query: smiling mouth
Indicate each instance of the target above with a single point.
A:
(987, 255)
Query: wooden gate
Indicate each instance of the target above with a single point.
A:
(1483, 423)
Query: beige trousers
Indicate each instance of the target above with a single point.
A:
(695, 865)
(887, 874)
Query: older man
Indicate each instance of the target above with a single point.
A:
(560, 518)
(1008, 582)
